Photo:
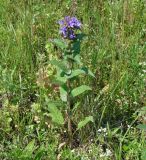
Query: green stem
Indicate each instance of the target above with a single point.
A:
(70, 134)
(69, 119)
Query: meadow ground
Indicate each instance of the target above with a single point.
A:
(115, 51)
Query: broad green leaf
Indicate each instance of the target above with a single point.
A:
(76, 106)
(55, 114)
(59, 80)
(81, 71)
(79, 90)
(63, 93)
(60, 64)
(142, 126)
(28, 150)
(59, 43)
(57, 103)
(76, 73)
(85, 121)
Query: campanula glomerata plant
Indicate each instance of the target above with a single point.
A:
(69, 69)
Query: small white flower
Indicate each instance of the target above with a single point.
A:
(91, 140)
(102, 155)
(108, 152)
(105, 134)
(72, 151)
(90, 150)
(104, 130)
(128, 126)
(142, 63)
(135, 103)
(100, 130)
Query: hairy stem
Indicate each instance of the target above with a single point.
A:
(69, 118)
(70, 65)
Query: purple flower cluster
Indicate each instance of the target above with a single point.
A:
(68, 26)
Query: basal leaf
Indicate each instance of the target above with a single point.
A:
(79, 90)
(84, 122)
(28, 150)
(55, 114)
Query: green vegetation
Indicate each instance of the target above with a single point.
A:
(108, 122)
